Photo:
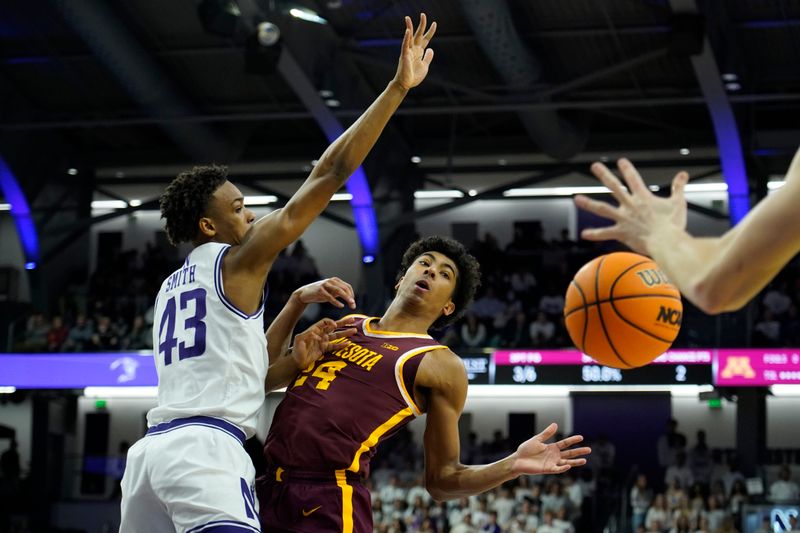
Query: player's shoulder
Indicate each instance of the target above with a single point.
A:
(441, 367)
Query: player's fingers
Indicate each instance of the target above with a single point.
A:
(428, 57)
(548, 432)
(601, 209)
(345, 291)
(608, 179)
(679, 183)
(577, 452)
(559, 469)
(423, 23)
(330, 297)
(610, 233)
(404, 48)
(324, 326)
(632, 178)
(341, 334)
(345, 322)
(569, 441)
(572, 462)
(429, 34)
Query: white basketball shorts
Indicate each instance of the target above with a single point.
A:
(190, 475)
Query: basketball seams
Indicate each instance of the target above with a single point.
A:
(617, 312)
(629, 297)
(600, 311)
(585, 315)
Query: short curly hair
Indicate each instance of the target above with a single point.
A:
(186, 199)
(467, 281)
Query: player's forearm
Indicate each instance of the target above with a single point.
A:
(280, 373)
(347, 152)
(279, 333)
(464, 480)
(693, 264)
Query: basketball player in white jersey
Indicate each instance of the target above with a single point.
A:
(191, 473)
(717, 274)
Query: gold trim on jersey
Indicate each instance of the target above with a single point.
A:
(368, 331)
(375, 436)
(398, 375)
(347, 501)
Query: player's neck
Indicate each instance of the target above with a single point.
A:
(398, 319)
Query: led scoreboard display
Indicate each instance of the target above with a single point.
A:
(571, 367)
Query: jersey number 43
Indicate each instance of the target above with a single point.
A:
(193, 326)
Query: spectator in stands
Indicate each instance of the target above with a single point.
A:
(641, 498)
(700, 459)
(492, 525)
(574, 493)
(464, 525)
(604, 455)
(523, 282)
(552, 303)
(80, 335)
(547, 525)
(794, 527)
(702, 526)
(682, 525)
(391, 492)
(669, 444)
(303, 264)
(503, 505)
(542, 330)
(679, 471)
(489, 305)
(104, 338)
(515, 334)
(36, 330)
(9, 463)
(715, 514)
(473, 332)
(784, 489)
(767, 331)
(675, 493)
(777, 299)
(57, 334)
(733, 473)
(140, 336)
(737, 499)
(527, 518)
(657, 513)
(555, 498)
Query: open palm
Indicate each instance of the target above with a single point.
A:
(535, 456)
(415, 57)
(639, 210)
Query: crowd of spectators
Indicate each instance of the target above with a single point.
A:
(519, 304)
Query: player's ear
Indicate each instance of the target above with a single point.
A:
(449, 308)
(399, 281)
(207, 227)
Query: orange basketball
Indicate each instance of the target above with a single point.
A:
(622, 310)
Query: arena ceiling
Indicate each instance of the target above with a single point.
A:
(129, 92)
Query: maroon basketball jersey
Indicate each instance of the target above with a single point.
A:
(338, 409)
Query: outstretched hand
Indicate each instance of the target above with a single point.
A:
(639, 213)
(312, 344)
(535, 456)
(415, 57)
(330, 290)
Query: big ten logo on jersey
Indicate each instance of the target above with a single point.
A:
(388, 346)
(669, 316)
(327, 371)
(652, 277)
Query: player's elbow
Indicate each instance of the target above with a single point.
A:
(437, 493)
(713, 297)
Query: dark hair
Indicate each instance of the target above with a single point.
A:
(467, 281)
(186, 199)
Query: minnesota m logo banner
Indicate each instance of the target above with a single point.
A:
(738, 366)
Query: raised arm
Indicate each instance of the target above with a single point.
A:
(274, 232)
(717, 274)
(443, 378)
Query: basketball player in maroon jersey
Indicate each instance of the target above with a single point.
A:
(369, 385)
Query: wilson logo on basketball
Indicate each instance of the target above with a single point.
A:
(669, 316)
(652, 277)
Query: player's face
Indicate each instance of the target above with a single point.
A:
(431, 280)
(230, 216)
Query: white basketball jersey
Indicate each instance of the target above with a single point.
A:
(211, 358)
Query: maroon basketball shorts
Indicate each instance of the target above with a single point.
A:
(313, 502)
